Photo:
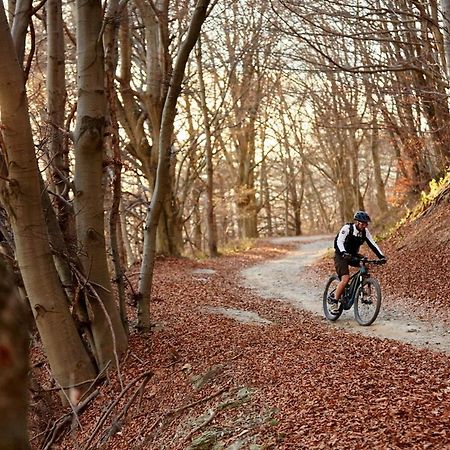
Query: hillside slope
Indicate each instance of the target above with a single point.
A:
(418, 271)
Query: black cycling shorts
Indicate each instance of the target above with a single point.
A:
(342, 265)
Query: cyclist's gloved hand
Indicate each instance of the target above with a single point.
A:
(354, 261)
(347, 256)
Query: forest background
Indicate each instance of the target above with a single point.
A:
(131, 129)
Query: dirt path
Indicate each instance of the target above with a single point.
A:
(285, 279)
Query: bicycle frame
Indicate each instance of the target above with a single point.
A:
(353, 284)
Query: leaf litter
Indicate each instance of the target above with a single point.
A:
(303, 384)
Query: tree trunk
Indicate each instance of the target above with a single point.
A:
(379, 184)
(56, 100)
(14, 344)
(129, 257)
(58, 167)
(445, 5)
(162, 184)
(112, 20)
(11, 9)
(197, 218)
(245, 189)
(22, 17)
(57, 242)
(210, 215)
(169, 237)
(158, 64)
(294, 197)
(265, 195)
(107, 330)
(20, 194)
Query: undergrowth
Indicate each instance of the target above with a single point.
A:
(237, 245)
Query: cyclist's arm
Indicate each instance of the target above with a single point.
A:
(373, 245)
(340, 241)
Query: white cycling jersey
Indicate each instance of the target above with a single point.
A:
(349, 239)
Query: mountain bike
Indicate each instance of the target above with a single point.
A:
(362, 291)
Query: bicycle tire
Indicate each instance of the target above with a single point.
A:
(330, 287)
(367, 302)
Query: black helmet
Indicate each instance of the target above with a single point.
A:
(361, 216)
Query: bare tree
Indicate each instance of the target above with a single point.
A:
(20, 195)
(107, 329)
(165, 150)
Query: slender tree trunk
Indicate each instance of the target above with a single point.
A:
(445, 6)
(56, 100)
(110, 43)
(20, 194)
(245, 189)
(107, 329)
(162, 175)
(294, 197)
(265, 194)
(379, 184)
(130, 258)
(211, 220)
(11, 9)
(58, 166)
(14, 344)
(22, 17)
(57, 242)
(286, 209)
(197, 218)
(169, 238)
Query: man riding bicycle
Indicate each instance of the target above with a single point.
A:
(346, 245)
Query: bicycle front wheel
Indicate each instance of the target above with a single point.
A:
(367, 302)
(330, 289)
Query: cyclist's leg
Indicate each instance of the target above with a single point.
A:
(343, 271)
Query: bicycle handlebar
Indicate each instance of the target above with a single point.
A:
(365, 260)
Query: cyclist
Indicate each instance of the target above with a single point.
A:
(346, 245)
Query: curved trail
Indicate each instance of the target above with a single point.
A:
(284, 279)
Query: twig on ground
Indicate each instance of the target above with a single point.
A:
(91, 286)
(137, 358)
(101, 373)
(103, 417)
(115, 425)
(93, 381)
(190, 405)
(57, 427)
(183, 408)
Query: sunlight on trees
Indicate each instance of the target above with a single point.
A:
(189, 125)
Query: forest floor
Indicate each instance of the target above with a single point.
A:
(238, 359)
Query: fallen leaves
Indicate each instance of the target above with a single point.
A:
(312, 386)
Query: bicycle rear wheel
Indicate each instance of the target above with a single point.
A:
(367, 302)
(330, 289)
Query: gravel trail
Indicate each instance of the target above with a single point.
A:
(285, 279)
